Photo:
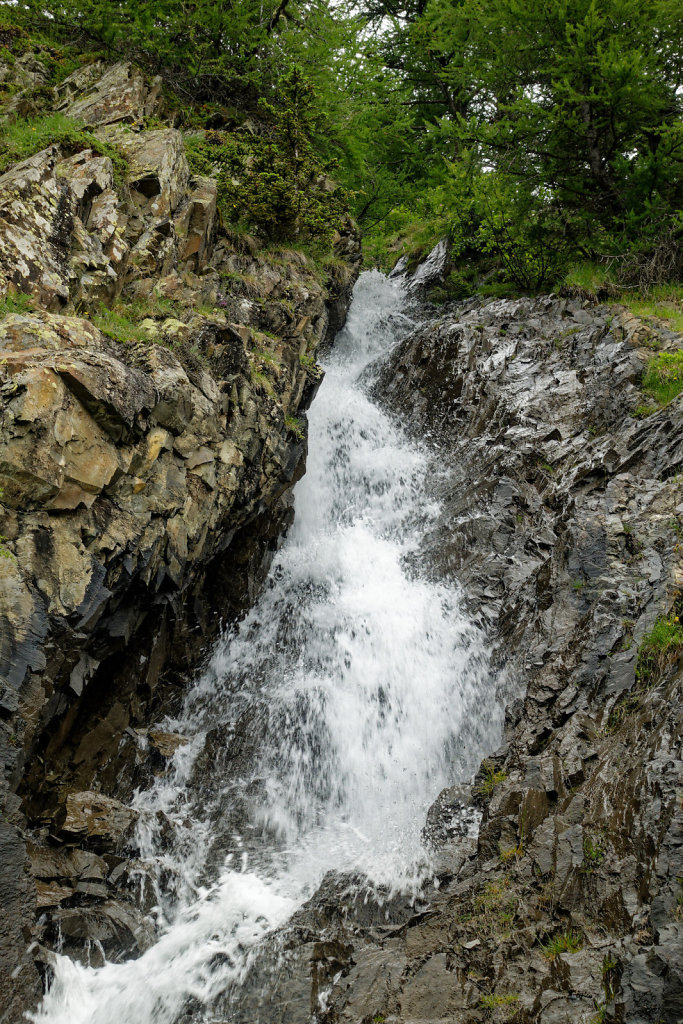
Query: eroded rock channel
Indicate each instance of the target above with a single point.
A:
(293, 822)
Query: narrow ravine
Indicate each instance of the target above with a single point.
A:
(322, 728)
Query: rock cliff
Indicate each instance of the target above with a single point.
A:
(146, 467)
(562, 517)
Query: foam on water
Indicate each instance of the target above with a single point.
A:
(355, 690)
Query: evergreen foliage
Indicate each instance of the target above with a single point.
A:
(535, 134)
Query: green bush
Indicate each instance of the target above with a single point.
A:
(270, 173)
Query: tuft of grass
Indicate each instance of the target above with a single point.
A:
(491, 778)
(659, 648)
(490, 1003)
(512, 854)
(610, 976)
(663, 378)
(567, 942)
(4, 551)
(295, 426)
(307, 362)
(593, 852)
(26, 136)
(118, 326)
(589, 277)
(18, 303)
(663, 302)
(260, 380)
(641, 412)
(491, 911)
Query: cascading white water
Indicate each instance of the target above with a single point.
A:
(323, 727)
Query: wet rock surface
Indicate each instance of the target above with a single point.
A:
(146, 483)
(562, 517)
(146, 479)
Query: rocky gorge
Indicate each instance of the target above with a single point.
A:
(146, 484)
(146, 478)
(562, 516)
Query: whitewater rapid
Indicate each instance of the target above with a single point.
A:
(324, 725)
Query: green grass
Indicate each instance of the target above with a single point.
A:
(261, 381)
(567, 942)
(641, 412)
(490, 779)
(593, 852)
(589, 277)
(665, 302)
(492, 911)
(119, 326)
(662, 302)
(122, 321)
(491, 1003)
(24, 137)
(19, 303)
(295, 426)
(663, 378)
(264, 356)
(659, 648)
(307, 362)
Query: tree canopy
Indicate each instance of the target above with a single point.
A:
(532, 132)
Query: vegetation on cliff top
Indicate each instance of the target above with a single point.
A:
(22, 137)
(536, 135)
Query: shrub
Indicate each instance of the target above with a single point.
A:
(270, 173)
(593, 852)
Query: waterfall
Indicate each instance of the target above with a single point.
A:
(323, 726)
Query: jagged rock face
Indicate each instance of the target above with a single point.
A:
(562, 516)
(145, 482)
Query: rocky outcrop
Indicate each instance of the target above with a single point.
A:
(147, 456)
(562, 515)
